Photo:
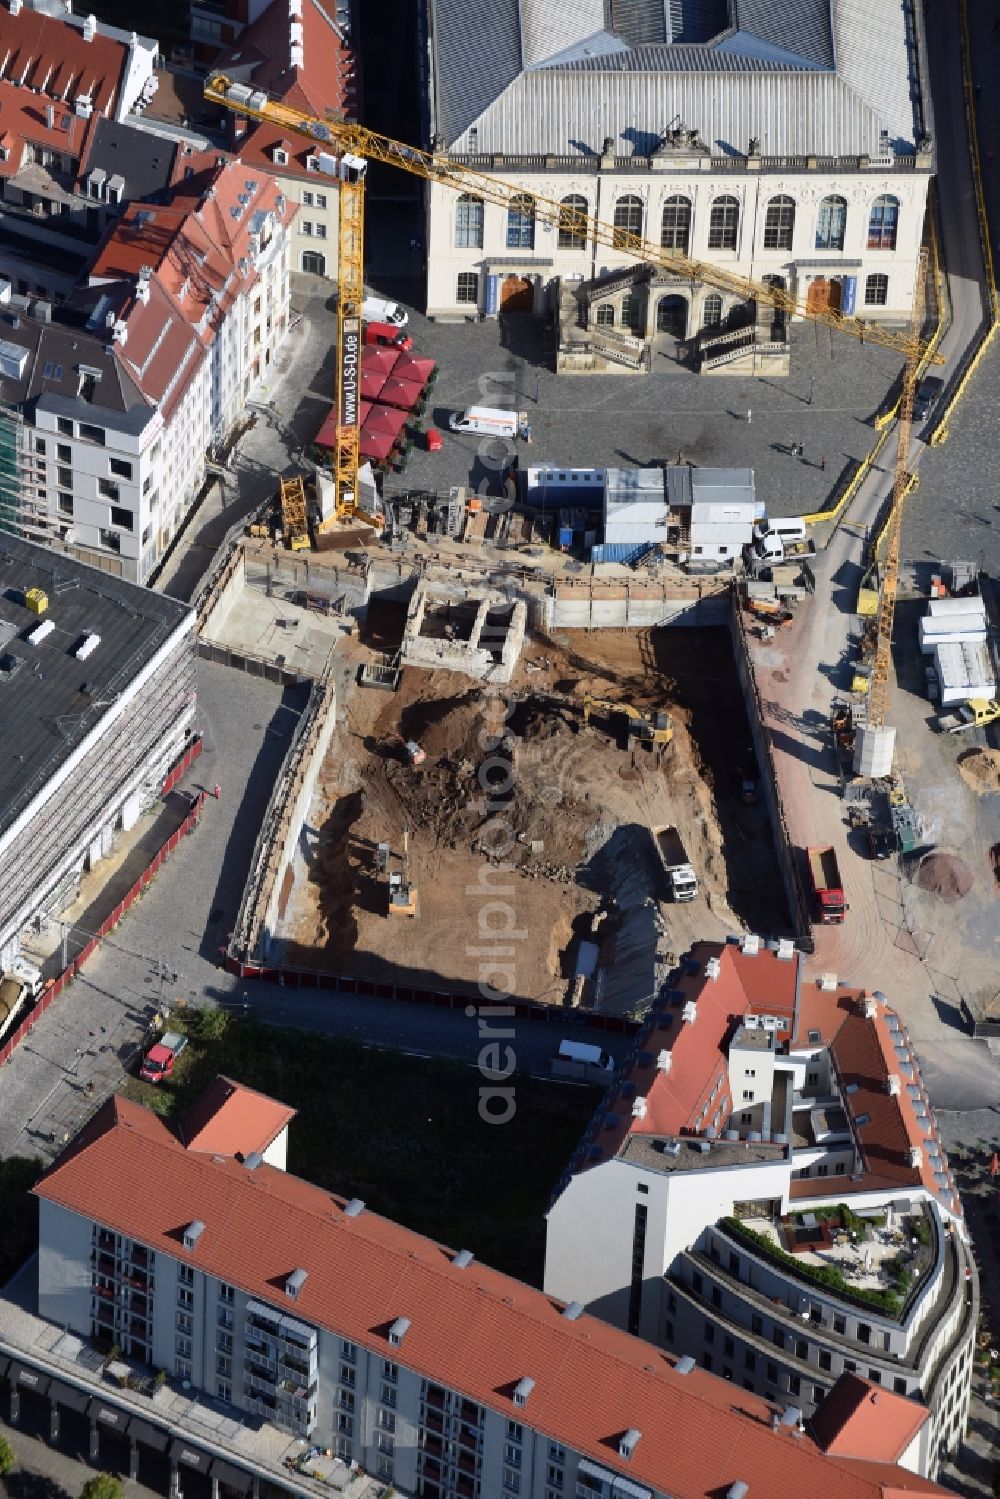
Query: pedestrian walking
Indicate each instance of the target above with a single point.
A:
(822, 465)
(749, 416)
(526, 432)
(216, 791)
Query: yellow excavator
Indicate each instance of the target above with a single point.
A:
(641, 728)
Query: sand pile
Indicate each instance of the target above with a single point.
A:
(945, 875)
(980, 770)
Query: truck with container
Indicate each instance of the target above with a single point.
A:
(583, 1062)
(681, 878)
(827, 886)
(159, 1061)
(20, 986)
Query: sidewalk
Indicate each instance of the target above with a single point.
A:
(44, 1472)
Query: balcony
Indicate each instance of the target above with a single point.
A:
(434, 1422)
(140, 1257)
(432, 1445)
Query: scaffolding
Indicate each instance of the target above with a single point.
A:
(294, 517)
(22, 482)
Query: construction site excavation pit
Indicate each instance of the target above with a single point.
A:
(499, 840)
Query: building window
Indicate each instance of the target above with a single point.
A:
(313, 263)
(757, 1324)
(554, 1476)
(638, 1261)
(711, 317)
(876, 290)
(521, 223)
(750, 1359)
(883, 222)
(182, 1368)
(185, 1323)
(468, 287)
(108, 488)
(224, 1342)
(279, 157)
(386, 1420)
(511, 1481)
(185, 1275)
(469, 213)
(794, 1384)
(321, 200)
(515, 1433)
(748, 1095)
(728, 1346)
(772, 1374)
(65, 502)
(306, 227)
(320, 231)
(628, 222)
(864, 1333)
(40, 445)
(875, 1375)
(111, 541)
(224, 1391)
(64, 452)
(669, 1331)
(224, 1366)
(831, 224)
(779, 224)
(899, 1386)
(724, 223)
(183, 1347)
(307, 200)
(123, 518)
(825, 1361)
(675, 225)
(345, 1400)
(63, 425)
(64, 476)
(573, 222)
(89, 433)
(605, 315)
(348, 1375)
(120, 468)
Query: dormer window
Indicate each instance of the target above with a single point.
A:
(280, 156)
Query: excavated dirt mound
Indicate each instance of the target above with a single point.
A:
(945, 875)
(980, 770)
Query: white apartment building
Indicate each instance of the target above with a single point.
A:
(711, 1204)
(780, 142)
(312, 1315)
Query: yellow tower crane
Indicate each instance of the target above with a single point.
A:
(344, 150)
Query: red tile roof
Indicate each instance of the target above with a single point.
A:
(47, 54)
(24, 117)
(327, 76)
(229, 1119)
(472, 1329)
(860, 1419)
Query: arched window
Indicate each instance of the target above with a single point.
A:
(671, 315)
(675, 226)
(724, 223)
(628, 221)
(521, 223)
(779, 224)
(883, 222)
(831, 223)
(469, 223)
(573, 223)
(877, 290)
(605, 315)
(630, 310)
(711, 312)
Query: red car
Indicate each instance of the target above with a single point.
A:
(432, 438)
(385, 335)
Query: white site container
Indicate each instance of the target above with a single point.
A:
(940, 607)
(954, 629)
(965, 671)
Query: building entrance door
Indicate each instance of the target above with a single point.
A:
(671, 316)
(516, 294)
(824, 295)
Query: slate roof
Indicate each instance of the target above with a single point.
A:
(44, 712)
(472, 1329)
(803, 76)
(145, 161)
(51, 374)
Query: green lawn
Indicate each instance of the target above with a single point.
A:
(403, 1134)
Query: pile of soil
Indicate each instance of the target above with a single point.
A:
(980, 770)
(945, 875)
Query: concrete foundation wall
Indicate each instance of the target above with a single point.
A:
(469, 656)
(587, 613)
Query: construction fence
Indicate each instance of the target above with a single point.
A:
(57, 986)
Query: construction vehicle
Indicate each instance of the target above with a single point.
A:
(411, 749)
(402, 892)
(640, 728)
(294, 516)
(771, 610)
(976, 714)
(356, 146)
(19, 985)
(681, 878)
(827, 887)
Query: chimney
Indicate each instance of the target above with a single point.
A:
(639, 1109)
(50, 116)
(90, 28)
(916, 1156)
(869, 1007)
(664, 1061)
(892, 1085)
(15, 7)
(713, 968)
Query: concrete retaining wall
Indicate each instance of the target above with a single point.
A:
(788, 857)
(589, 612)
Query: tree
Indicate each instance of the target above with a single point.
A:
(8, 1457)
(102, 1486)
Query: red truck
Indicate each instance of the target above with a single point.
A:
(158, 1062)
(828, 891)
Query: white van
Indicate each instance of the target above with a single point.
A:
(378, 310)
(771, 537)
(489, 421)
(585, 1056)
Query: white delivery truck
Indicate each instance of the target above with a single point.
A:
(488, 421)
(586, 1063)
(18, 985)
(379, 310)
